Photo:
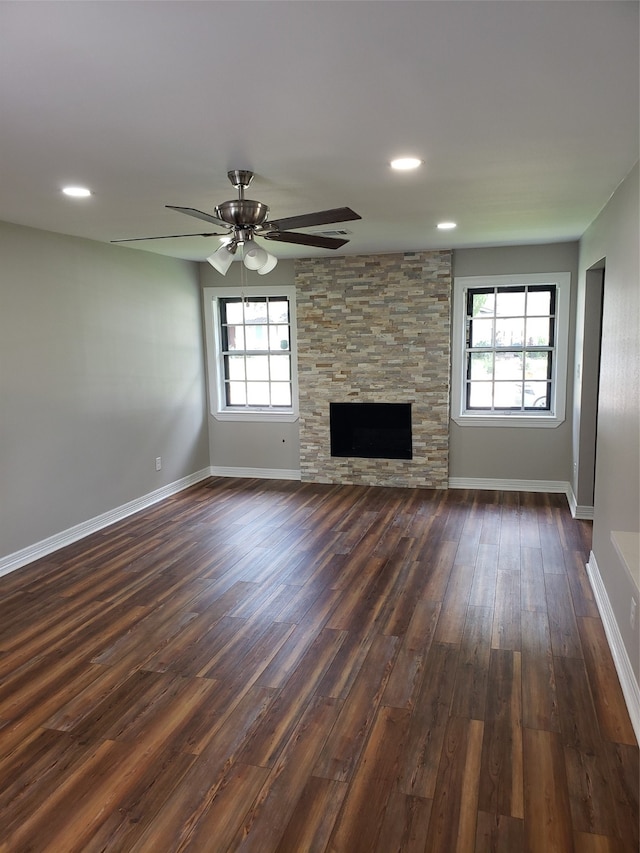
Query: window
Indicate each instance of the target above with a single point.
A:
(510, 350)
(250, 341)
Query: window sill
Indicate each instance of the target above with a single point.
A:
(514, 420)
(256, 416)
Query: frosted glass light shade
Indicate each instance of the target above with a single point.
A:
(269, 265)
(221, 260)
(254, 256)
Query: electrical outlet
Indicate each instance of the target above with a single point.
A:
(158, 463)
(632, 615)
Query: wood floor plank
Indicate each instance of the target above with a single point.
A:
(473, 664)
(265, 745)
(267, 820)
(605, 686)
(454, 604)
(586, 842)
(405, 825)
(496, 833)
(135, 811)
(344, 745)
(501, 780)
(565, 639)
(362, 815)
(408, 669)
(547, 815)
(453, 816)
(506, 614)
(584, 603)
(428, 723)
(311, 668)
(224, 801)
(483, 588)
(313, 817)
(539, 696)
(624, 780)
(532, 588)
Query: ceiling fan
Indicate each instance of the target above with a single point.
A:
(244, 219)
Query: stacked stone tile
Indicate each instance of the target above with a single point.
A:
(375, 329)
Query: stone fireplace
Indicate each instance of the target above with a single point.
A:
(375, 329)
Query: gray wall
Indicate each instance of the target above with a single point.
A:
(234, 444)
(516, 453)
(474, 452)
(101, 371)
(614, 237)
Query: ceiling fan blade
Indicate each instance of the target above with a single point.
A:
(305, 239)
(321, 217)
(168, 237)
(199, 214)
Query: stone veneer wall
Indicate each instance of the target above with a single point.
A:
(375, 329)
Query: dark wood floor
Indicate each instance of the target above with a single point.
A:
(263, 665)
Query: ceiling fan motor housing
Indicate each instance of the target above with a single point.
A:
(242, 213)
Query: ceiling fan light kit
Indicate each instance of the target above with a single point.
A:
(244, 219)
(254, 257)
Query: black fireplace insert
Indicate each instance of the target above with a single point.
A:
(371, 430)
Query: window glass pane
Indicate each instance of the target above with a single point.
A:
(481, 334)
(539, 302)
(480, 395)
(258, 367)
(280, 394)
(510, 332)
(536, 395)
(257, 337)
(510, 346)
(255, 310)
(278, 337)
(256, 341)
(280, 368)
(278, 311)
(235, 366)
(233, 311)
(235, 338)
(536, 365)
(481, 365)
(236, 394)
(538, 332)
(508, 365)
(482, 304)
(510, 303)
(508, 395)
(258, 393)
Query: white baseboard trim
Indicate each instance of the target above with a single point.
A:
(630, 688)
(577, 511)
(66, 537)
(256, 473)
(555, 486)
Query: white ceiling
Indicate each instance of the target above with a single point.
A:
(525, 114)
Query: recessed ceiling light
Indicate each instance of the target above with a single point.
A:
(447, 226)
(76, 192)
(402, 164)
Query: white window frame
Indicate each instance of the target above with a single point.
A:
(501, 418)
(215, 366)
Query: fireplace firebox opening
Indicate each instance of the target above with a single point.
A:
(371, 430)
